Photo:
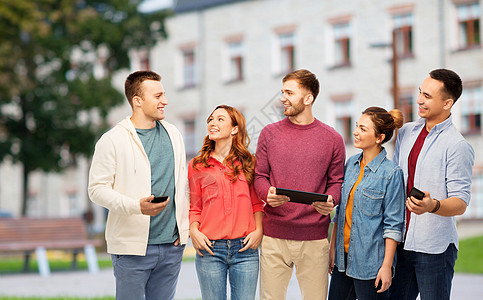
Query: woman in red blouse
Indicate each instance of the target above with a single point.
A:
(225, 212)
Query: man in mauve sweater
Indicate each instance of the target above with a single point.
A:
(299, 153)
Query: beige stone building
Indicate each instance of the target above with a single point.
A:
(236, 53)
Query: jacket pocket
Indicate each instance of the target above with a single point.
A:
(371, 202)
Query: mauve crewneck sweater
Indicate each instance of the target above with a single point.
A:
(301, 157)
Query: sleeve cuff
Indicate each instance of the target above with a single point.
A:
(258, 208)
(393, 235)
(193, 219)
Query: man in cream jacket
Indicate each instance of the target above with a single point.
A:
(141, 157)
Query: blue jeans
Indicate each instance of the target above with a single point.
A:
(240, 267)
(345, 287)
(153, 276)
(430, 275)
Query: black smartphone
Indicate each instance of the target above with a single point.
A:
(159, 199)
(416, 193)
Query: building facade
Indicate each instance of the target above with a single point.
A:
(236, 52)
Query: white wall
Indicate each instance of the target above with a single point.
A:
(368, 79)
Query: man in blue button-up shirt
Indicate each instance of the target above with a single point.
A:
(437, 159)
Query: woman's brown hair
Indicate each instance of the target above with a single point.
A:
(385, 122)
(238, 152)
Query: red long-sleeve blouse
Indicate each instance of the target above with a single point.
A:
(224, 209)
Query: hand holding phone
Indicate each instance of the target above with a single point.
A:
(416, 193)
(159, 199)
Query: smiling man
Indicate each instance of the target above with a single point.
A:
(299, 153)
(141, 157)
(436, 159)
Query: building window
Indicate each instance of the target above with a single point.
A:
(287, 52)
(405, 105)
(342, 44)
(73, 201)
(34, 207)
(403, 26)
(343, 119)
(469, 25)
(143, 55)
(235, 52)
(145, 63)
(189, 68)
(471, 107)
(190, 137)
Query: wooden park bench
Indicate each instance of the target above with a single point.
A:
(39, 234)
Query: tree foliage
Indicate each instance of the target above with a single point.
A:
(57, 59)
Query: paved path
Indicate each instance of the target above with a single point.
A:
(84, 284)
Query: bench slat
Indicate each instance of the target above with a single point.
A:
(26, 234)
(31, 229)
(36, 234)
(26, 246)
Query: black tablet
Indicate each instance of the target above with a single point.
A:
(301, 196)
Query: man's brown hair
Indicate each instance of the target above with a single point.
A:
(132, 86)
(453, 87)
(305, 79)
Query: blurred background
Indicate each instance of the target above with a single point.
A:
(63, 65)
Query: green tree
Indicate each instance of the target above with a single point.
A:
(57, 59)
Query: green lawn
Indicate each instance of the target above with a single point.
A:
(15, 265)
(470, 260)
(470, 256)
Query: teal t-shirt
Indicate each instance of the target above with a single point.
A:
(157, 144)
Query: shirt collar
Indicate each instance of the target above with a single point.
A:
(213, 160)
(443, 125)
(437, 128)
(376, 162)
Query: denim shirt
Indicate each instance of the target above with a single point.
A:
(378, 213)
(444, 169)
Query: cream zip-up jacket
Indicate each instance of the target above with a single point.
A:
(120, 176)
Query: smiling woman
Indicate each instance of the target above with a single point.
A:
(221, 127)
(369, 220)
(221, 192)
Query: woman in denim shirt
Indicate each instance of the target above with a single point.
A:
(371, 213)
